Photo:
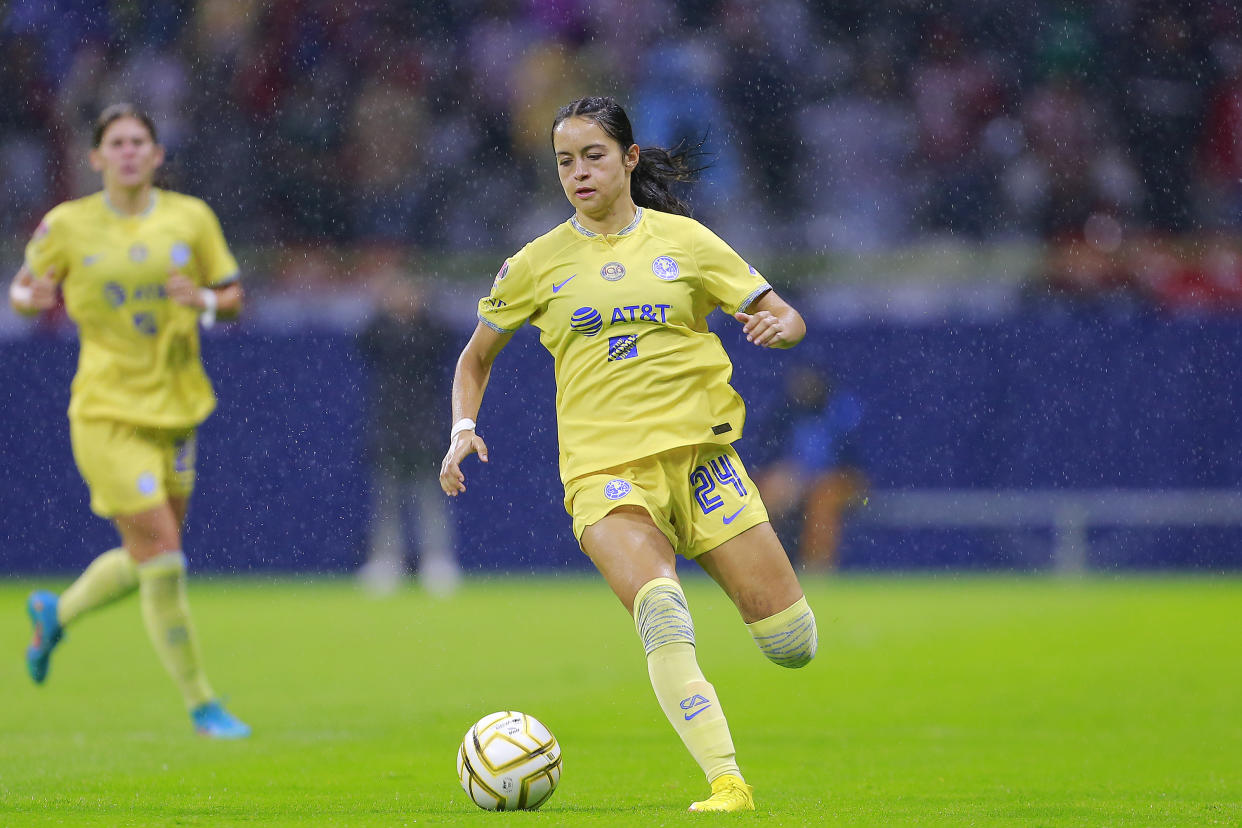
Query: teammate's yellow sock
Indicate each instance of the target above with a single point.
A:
(110, 576)
(161, 585)
(687, 699)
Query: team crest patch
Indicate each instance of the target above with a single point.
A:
(586, 321)
(138, 252)
(146, 483)
(502, 273)
(180, 254)
(616, 489)
(612, 271)
(665, 267)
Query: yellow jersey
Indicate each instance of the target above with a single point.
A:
(625, 319)
(139, 359)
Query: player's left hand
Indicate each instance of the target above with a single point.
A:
(464, 443)
(764, 329)
(182, 290)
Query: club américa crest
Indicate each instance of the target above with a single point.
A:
(665, 268)
(616, 488)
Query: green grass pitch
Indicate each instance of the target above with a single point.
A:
(934, 701)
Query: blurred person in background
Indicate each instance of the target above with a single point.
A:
(408, 352)
(139, 268)
(816, 475)
(646, 417)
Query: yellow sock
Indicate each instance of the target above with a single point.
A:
(161, 585)
(687, 699)
(788, 638)
(110, 576)
(692, 707)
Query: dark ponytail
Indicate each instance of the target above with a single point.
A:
(658, 169)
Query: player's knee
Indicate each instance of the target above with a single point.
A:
(788, 638)
(661, 615)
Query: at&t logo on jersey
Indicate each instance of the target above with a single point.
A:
(640, 313)
(586, 321)
(665, 267)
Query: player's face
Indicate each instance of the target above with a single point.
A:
(594, 170)
(127, 156)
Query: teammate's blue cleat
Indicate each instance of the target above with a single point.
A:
(213, 721)
(41, 606)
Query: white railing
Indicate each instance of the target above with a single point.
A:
(1068, 513)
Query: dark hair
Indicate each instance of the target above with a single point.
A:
(658, 168)
(115, 113)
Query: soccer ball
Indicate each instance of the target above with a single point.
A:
(509, 761)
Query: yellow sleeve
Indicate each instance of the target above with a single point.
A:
(732, 283)
(46, 249)
(512, 300)
(218, 265)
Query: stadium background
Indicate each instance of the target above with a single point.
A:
(1014, 232)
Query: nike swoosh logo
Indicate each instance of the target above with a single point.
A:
(556, 288)
(690, 716)
(730, 518)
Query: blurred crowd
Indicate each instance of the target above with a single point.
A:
(1109, 130)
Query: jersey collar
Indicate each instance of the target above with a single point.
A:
(150, 205)
(629, 228)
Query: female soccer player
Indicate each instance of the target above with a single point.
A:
(139, 268)
(645, 414)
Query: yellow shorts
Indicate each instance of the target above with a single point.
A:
(699, 496)
(130, 468)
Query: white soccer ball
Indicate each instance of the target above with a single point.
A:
(509, 761)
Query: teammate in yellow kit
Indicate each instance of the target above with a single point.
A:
(620, 294)
(140, 269)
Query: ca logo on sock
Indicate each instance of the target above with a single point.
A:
(694, 705)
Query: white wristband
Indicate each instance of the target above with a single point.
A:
(464, 424)
(210, 303)
(21, 295)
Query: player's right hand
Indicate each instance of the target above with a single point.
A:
(29, 294)
(465, 443)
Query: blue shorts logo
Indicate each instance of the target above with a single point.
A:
(586, 321)
(665, 267)
(616, 489)
(146, 483)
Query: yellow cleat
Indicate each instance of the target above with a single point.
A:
(729, 793)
